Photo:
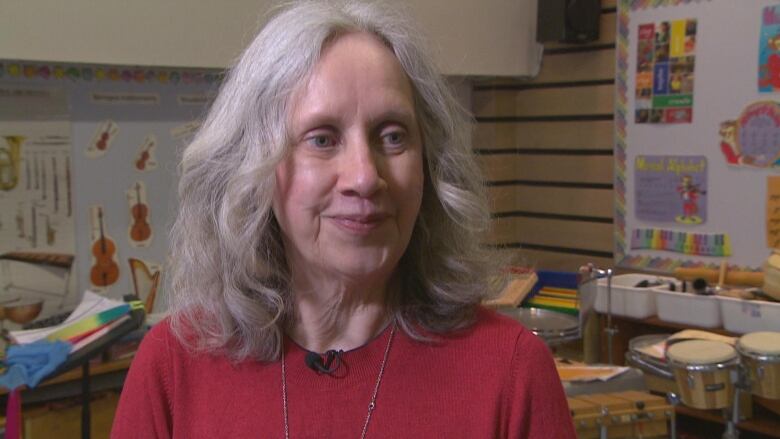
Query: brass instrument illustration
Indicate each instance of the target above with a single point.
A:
(10, 157)
(51, 232)
(43, 178)
(67, 184)
(20, 222)
(34, 224)
(27, 178)
(37, 174)
(56, 184)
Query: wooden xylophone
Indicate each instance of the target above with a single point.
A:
(629, 414)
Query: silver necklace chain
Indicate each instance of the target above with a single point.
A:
(371, 405)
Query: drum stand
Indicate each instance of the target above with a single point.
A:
(590, 273)
(674, 400)
(609, 330)
(741, 382)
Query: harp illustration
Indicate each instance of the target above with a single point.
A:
(145, 282)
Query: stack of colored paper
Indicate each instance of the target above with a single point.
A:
(94, 317)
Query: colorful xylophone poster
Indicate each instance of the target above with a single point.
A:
(699, 244)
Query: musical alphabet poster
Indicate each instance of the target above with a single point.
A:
(671, 189)
(693, 160)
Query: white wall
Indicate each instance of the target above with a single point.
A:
(485, 37)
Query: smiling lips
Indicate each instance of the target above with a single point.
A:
(360, 223)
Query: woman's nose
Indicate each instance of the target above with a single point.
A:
(361, 170)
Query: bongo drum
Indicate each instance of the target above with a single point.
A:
(760, 355)
(641, 355)
(702, 371)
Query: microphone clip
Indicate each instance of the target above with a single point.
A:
(327, 363)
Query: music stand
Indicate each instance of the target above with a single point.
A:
(84, 355)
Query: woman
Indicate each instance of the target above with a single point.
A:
(326, 261)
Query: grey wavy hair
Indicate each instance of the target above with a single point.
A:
(229, 288)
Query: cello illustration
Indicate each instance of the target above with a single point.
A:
(104, 271)
(140, 231)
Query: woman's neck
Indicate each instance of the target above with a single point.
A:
(340, 317)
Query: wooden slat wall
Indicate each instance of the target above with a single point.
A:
(545, 145)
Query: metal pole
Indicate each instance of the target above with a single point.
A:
(85, 415)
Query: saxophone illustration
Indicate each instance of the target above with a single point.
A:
(10, 157)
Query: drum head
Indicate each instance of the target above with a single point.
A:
(701, 352)
(543, 322)
(761, 343)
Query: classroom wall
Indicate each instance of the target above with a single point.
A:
(546, 147)
(488, 37)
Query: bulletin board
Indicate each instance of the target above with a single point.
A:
(697, 141)
(88, 177)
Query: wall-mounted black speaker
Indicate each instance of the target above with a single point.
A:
(568, 21)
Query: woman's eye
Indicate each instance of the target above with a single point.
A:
(394, 138)
(320, 141)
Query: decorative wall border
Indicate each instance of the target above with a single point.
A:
(27, 70)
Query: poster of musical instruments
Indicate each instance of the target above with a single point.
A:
(714, 205)
(37, 240)
(95, 182)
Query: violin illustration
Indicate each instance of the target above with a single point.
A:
(102, 142)
(145, 160)
(140, 164)
(105, 270)
(140, 231)
(9, 162)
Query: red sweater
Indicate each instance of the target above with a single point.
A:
(495, 380)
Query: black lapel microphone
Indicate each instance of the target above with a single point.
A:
(328, 365)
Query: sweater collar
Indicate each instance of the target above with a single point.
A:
(359, 366)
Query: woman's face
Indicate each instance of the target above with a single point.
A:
(349, 192)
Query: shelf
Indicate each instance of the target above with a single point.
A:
(655, 321)
(763, 424)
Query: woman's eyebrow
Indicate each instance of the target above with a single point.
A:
(404, 116)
